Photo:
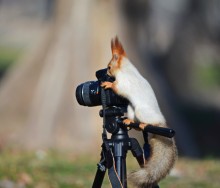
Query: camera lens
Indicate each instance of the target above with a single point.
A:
(88, 94)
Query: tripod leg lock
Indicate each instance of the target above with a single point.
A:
(101, 167)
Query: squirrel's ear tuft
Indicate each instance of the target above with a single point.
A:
(117, 47)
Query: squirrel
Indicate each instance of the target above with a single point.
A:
(143, 108)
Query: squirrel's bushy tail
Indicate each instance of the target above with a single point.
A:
(161, 160)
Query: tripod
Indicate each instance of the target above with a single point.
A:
(114, 151)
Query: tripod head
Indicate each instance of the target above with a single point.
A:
(114, 121)
(113, 118)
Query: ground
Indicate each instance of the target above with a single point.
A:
(51, 169)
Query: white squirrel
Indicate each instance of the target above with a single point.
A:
(143, 109)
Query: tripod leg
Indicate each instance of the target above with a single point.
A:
(124, 173)
(120, 162)
(100, 173)
(98, 179)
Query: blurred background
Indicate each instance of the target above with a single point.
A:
(48, 47)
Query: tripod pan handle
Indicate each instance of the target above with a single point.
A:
(160, 131)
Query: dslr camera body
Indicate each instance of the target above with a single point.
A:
(92, 94)
(89, 93)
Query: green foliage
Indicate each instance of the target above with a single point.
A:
(8, 56)
(209, 75)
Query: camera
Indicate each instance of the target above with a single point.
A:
(89, 93)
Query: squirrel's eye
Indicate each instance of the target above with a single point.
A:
(109, 67)
(115, 56)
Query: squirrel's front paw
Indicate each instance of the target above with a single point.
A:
(142, 126)
(128, 121)
(106, 85)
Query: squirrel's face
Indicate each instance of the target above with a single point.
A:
(117, 55)
(114, 65)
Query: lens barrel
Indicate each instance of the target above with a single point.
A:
(88, 94)
(79, 96)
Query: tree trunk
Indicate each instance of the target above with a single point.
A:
(39, 92)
